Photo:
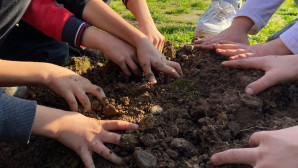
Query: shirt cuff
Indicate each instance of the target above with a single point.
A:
(16, 118)
(73, 31)
(290, 38)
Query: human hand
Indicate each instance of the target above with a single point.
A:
(231, 34)
(82, 134)
(149, 57)
(237, 32)
(154, 36)
(86, 135)
(70, 86)
(238, 50)
(277, 69)
(124, 55)
(276, 149)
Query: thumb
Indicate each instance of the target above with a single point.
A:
(261, 84)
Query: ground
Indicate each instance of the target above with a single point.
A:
(182, 122)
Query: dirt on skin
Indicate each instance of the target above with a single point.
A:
(182, 123)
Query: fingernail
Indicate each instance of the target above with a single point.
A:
(135, 126)
(152, 80)
(249, 91)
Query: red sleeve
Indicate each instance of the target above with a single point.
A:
(47, 17)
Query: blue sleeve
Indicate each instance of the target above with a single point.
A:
(16, 118)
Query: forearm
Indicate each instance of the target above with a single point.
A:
(242, 24)
(48, 121)
(259, 11)
(274, 47)
(140, 10)
(102, 16)
(22, 73)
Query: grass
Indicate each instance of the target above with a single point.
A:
(176, 19)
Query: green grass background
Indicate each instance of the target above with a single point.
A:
(176, 19)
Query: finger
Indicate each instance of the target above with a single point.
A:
(261, 84)
(96, 91)
(167, 70)
(255, 139)
(118, 125)
(107, 153)
(205, 46)
(230, 52)
(148, 73)
(111, 137)
(241, 56)
(176, 66)
(161, 44)
(228, 46)
(255, 63)
(235, 156)
(125, 69)
(71, 101)
(83, 98)
(132, 65)
(86, 157)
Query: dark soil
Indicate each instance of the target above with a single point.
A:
(182, 123)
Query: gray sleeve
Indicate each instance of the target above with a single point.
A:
(16, 118)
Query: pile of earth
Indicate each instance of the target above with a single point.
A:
(182, 122)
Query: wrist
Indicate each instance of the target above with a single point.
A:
(242, 24)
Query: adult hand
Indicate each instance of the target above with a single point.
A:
(276, 149)
(70, 86)
(154, 36)
(277, 69)
(149, 57)
(82, 134)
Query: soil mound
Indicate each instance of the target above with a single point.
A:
(182, 122)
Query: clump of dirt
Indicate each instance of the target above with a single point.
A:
(182, 123)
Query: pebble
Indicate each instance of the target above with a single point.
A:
(145, 159)
(188, 48)
(156, 109)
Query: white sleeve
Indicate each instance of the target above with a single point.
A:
(260, 11)
(290, 38)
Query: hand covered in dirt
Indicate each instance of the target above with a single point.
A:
(231, 34)
(278, 69)
(72, 86)
(154, 36)
(149, 57)
(276, 149)
(86, 135)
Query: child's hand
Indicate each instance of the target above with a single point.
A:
(72, 86)
(154, 36)
(238, 50)
(149, 57)
(268, 149)
(230, 34)
(278, 69)
(87, 135)
(82, 134)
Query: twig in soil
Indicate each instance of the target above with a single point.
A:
(258, 127)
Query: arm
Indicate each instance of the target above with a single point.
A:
(146, 25)
(250, 19)
(82, 134)
(64, 82)
(102, 16)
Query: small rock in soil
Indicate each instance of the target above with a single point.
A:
(184, 147)
(173, 154)
(251, 101)
(145, 159)
(188, 48)
(156, 109)
(128, 141)
(148, 139)
(234, 127)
